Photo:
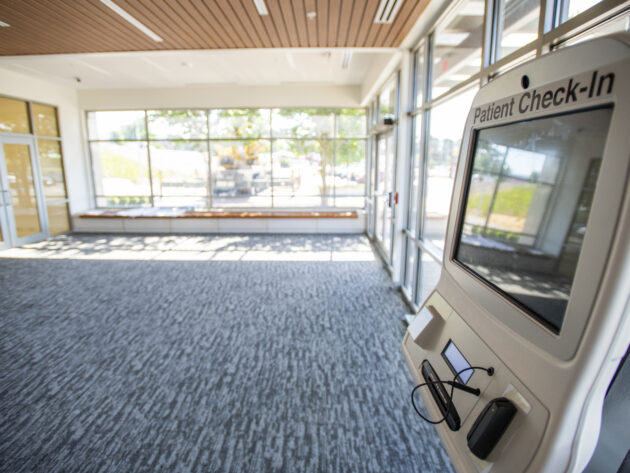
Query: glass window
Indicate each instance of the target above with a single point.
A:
(410, 266)
(241, 173)
(246, 167)
(177, 124)
(571, 8)
(447, 122)
(373, 114)
(52, 169)
(180, 171)
(387, 101)
(615, 25)
(302, 123)
(45, 118)
(303, 173)
(17, 158)
(240, 123)
(14, 116)
(457, 47)
(419, 76)
(517, 25)
(350, 173)
(414, 184)
(116, 125)
(428, 276)
(121, 172)
(58, 218)
(351, 123)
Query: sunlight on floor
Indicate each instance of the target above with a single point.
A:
(198, 248)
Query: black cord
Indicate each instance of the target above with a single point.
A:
(490, 372)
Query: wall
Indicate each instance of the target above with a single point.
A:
(222, 97)
(26, 87)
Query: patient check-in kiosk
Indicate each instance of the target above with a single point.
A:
(535, 284)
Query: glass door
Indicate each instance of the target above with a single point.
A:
(4, 237)
(21, 201)
(384, 192)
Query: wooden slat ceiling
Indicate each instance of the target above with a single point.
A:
(89, 26)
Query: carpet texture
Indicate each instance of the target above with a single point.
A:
(214, 366)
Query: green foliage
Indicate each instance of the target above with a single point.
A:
(494, 234)
(350, 151)
(514, 201)
(119, 166)
(240, 123)
(127, 200)
(187, 123)
(489, 156)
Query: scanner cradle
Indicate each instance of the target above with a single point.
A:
(490, 425)
(535, 278)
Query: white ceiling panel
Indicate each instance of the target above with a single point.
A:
(196, 68)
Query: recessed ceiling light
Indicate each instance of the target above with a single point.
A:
(346, 57)
(387, 10)
(261, 7)
(311, 15)
(132, 20)
(4, 25)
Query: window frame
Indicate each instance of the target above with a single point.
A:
(210, 140)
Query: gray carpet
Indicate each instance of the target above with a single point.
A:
(231, 366)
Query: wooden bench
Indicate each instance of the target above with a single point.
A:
(177, 220)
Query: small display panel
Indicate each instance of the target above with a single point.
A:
(456, 361)
(529, 195)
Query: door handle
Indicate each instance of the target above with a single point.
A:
(8, 200)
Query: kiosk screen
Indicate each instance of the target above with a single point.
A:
(528, 197)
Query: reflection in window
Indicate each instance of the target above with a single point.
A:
(51, 168)
(116, 125)
(45, 118)
(17, 159)
(525, 217)
(447, 123)
(14, 116)
(179, 170)
(457, 47)
(177, 124)
(517, 25)
(121, 172)
(58, 218)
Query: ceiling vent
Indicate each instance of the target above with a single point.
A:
(387, 11)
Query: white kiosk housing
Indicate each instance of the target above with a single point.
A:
(536, 275)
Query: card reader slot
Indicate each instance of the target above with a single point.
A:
(441, 396)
